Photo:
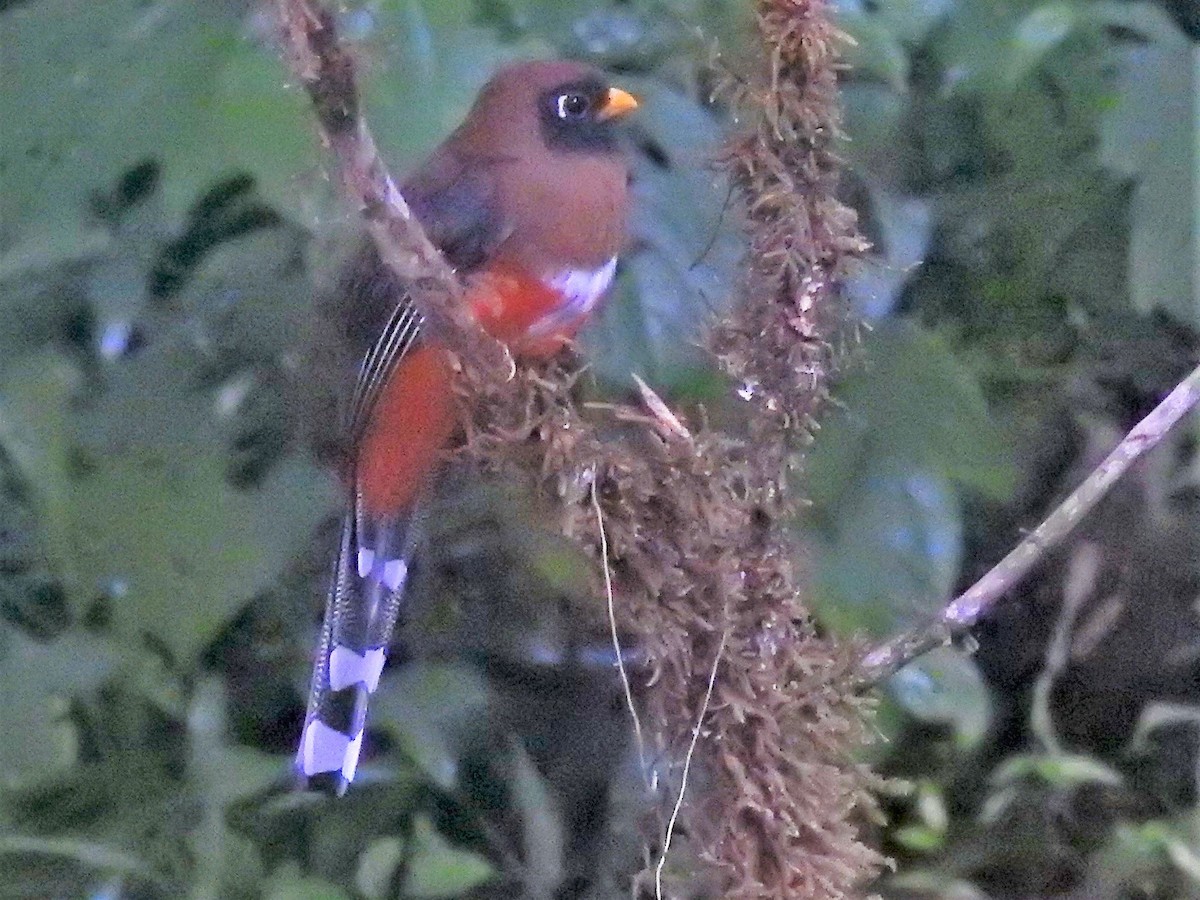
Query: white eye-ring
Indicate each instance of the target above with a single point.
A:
(571, 106)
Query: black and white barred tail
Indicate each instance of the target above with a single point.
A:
(365, 594)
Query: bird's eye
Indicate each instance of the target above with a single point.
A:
(572, 106)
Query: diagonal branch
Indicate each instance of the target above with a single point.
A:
(326, 68)
(964, 611)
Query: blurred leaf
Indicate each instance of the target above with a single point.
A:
(258, 124)
(874, 125)
(975, 45)
(542, 832)
(882, 478)
(247, 300)
(919, 838)
(219, 775)
(1140, 856)
(631, 36)
(93, 856)
(904, 226)
(1036, 35)
(908, 21)
(1152, 136)
(945, 687)
(38, 679)
(156, 518)
(877, 51)
(93, 88)
(431, 706)
(34, 432)
(135, 500)
(681, 270)
(427, 63)
(436, 869)
(936, 885)
(1058, 770)
(1162, 715)
(929, 831)
(376, 866)
(35, 251)
(225, 773)
(913, 405)
(889, 554)
(288, 884)
(1182, 852)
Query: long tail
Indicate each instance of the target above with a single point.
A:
(369, 577)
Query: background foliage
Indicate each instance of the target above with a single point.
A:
(1028, 173)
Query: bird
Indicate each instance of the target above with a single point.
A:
(527, 199)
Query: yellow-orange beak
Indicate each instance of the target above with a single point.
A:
(617, 103)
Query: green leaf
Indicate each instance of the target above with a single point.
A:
(883, 476)
(249, 298)
(259, 124)
(945, 687)
(912, 404)
(155, 517)
(908, 21)
(288, 884)
(134, 498)
(912, 20)
(94, 88)
(889, 553)
(874, 123)
(1064, 770)
(904, 227)
(220, 774)
(376, 866)
(97, 856)
(919, 838)
(38, 679)
(428, 64)
(1037, 35)
(436, 869)
(35, 433)
(1153, 136)
(976, 45)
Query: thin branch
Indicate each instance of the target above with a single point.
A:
(326, 68)
(964, 611)
(616, 641)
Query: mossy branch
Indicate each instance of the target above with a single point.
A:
(965, 610)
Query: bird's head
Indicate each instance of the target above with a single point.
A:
(570, 105)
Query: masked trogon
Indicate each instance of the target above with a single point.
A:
(527, 199)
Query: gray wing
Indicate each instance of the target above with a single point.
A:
(456, 205)
(456, 202)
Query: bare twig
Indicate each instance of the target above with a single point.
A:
(664, 420)
(616, 641)
(326, 69)
(964, 611)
